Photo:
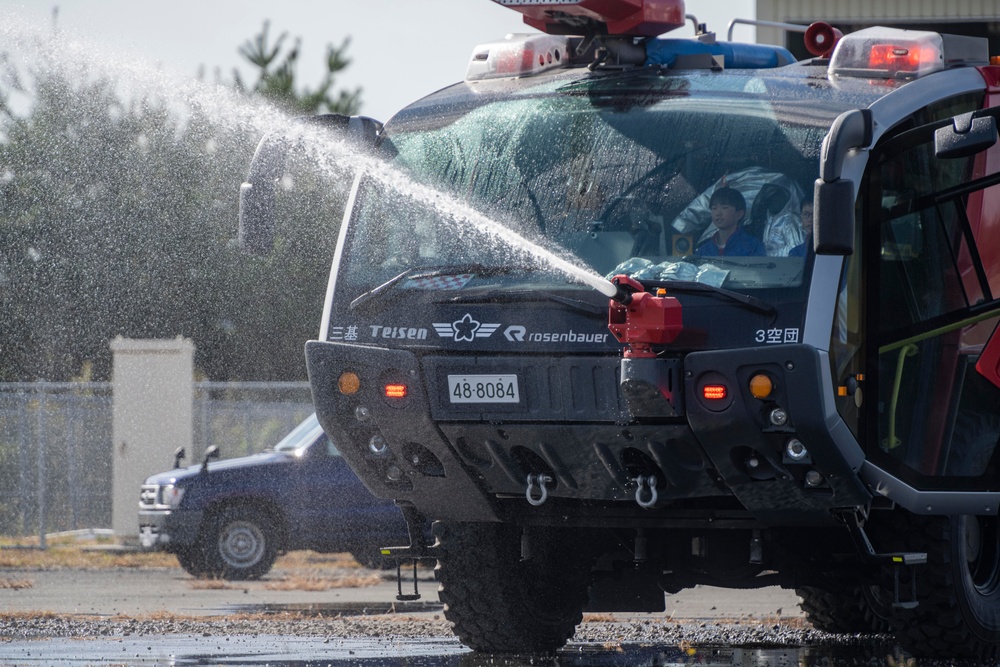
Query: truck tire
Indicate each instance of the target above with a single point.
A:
(238, 544)
(501, 604)
(958, 589)
(864, 609)
(192, 561)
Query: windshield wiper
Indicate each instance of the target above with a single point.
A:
(526, 296)
(751, 302)
(416, 272)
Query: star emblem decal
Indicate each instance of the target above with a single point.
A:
(465, 329)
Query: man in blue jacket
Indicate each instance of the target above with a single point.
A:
(728, 210)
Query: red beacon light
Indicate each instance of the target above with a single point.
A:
(518, 55)
(641, 18)
(890, 53)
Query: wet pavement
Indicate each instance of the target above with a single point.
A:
(275, 651)
(131, 592)
(730, 628)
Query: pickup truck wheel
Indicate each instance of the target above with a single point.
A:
(501, 604)
(239, 544)
(958, 589)
(192, 561)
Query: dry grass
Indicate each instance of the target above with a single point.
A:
(75, 557)
(209, 584)
(596, 617)
(16, 584)
(74, 552)
(31, 615)
(100, 552)
(313, 583)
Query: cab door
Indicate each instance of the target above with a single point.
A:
(933, 300)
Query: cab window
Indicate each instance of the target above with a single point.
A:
(932, 308)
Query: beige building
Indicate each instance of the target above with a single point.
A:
(980, 18)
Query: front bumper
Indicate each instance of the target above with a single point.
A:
(573, 434)
(168, 530)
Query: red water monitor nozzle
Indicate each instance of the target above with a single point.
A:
(642, 18)
(641, 319)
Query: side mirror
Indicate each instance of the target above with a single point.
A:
(210, 453)
(257, 193)
(833, 196)
(965, 136)
(833, 217)
(256, 232)
(179, 455)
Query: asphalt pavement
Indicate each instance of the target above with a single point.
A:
(139, 592)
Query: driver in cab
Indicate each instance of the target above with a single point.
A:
(729, 208)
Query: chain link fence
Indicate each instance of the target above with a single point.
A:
(56, 447)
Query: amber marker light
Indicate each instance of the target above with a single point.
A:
(714, 392)
(393, 390)
(761, 386)
(349, 383)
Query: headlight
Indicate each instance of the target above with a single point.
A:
(170, 495)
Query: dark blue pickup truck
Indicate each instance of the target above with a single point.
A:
(232, 518)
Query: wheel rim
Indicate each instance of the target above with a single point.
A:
(241, 544)
(982, 544)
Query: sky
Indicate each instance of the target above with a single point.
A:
(401, 50)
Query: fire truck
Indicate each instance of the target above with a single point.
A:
(624, 313)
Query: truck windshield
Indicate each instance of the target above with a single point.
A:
(614, 174)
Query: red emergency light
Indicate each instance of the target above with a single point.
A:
(895, 58)
(395, 390)
(644, 18)
(715, 392)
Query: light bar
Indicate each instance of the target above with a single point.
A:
(890, 53)
(518, 55)
(647, 18)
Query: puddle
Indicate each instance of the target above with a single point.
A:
(328, 609)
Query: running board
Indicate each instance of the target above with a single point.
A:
(415, 551)
(899, 561)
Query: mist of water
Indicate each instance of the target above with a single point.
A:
(230, 111)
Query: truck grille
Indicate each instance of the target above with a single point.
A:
(148, 496)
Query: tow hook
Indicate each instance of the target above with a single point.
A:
(650, 483)
(543, 493)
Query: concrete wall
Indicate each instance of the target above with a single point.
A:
(153, 399)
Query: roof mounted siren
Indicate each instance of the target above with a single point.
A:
(627, 18)
(821, 38)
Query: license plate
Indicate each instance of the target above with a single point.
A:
(483, 389)
(147, 537)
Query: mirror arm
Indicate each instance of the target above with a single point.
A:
(833, 196)
(257, 193)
